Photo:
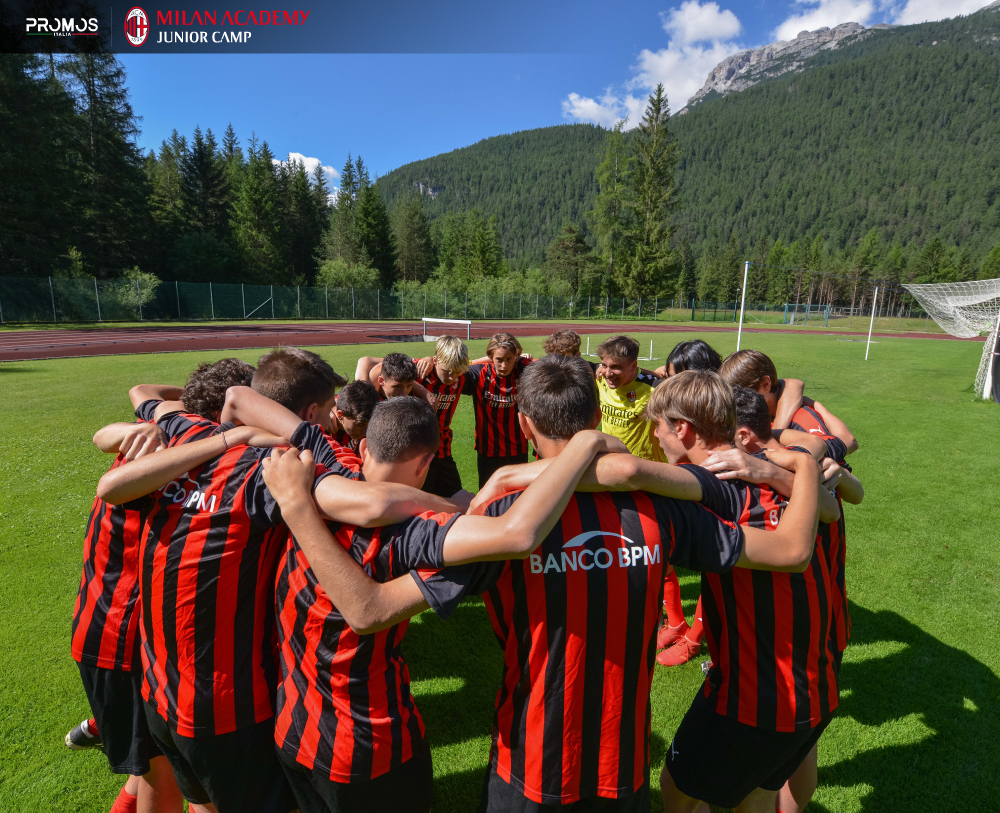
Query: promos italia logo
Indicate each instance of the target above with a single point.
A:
(136, 26)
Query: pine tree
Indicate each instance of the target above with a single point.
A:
(341, 241)
(413, 240)
(652, 200)
(374, 232)
(256, 218)
(204, 192)
(569, 258)
(114, 215)
(686, 273)
(610, 212)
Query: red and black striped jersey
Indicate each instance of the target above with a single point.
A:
(577, 625)
(498, 434)
(105, 620)
(767, 632)
(447, 402)
(807, 419)
(833, 542)
(104, 617)
(343, 439)
(209, 558)
(344, 707)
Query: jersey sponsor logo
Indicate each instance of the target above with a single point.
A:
(444, 399)
(185, 490)
(500, 401)
(629, 555)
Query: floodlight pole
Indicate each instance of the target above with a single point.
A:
(872, 325)
(743, 304)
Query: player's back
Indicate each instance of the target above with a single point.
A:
(209, 558)
(344, 703)
(577, 623)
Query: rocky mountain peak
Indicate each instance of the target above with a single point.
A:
(747, 68)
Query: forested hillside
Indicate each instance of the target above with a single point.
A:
(533, 181)
(898, 132)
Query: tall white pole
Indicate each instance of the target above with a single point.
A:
(743, 304)
(874, 310)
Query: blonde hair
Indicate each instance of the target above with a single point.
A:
(452, 354)
(699, 397)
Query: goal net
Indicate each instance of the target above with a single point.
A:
(966, 309)
(434, 329)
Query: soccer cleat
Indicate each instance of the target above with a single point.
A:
(668, 636)
(681, 652)
(81, 738)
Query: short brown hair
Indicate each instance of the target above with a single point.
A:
(699, 397)
(205, 391)
(559, 394)
(402, 428)
(295, 378)
(358, 400)
(562, 343)
(747, 368)
(752, 412)
(619, 348)
(503, 341)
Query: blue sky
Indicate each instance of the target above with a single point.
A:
(538, 64)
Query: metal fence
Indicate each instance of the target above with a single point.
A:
(50, 299)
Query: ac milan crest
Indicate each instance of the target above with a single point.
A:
(136, 26)
(631, 396)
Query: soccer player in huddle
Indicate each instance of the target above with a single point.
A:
(690, 355)
(572, 720)
(211, 547)
(768, 696)
(500, 440)
(105, 640)
(354, 407)
(443, 377)
(624, 391)
(753, 434)
(754, 370)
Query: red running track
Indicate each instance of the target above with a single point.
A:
(25, 345)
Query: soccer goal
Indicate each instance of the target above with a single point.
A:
(805, 313)
(967, 309)
(650, 357)
(433, 331)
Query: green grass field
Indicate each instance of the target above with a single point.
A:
(920, 708)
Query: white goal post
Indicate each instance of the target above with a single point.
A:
(966, 309)
(429, 337)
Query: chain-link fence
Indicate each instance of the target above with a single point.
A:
(50, 299)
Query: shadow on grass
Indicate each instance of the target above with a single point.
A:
(938, 700)
(16, 368)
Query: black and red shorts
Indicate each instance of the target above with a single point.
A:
(499, 796)
(721, 761)
(408, 788)
(238, 772)
(115, 699)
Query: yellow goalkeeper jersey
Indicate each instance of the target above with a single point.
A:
(622, 415)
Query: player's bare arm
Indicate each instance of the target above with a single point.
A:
(366, 605)
(533, 515)
(792, 550)
(131, 440)
(789, 401)
(418, 390)
(837, 427)
(154, 392)
(846, 483)
(372, 505)
(734, 464)
(795, 437)
(363, 371)
(247, 406)
(142, 477)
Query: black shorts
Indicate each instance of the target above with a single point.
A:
(443, 478)
(488, 465)
(721, 761)
(115, 698)
(406, 789)
(238, 772)
(499, 796)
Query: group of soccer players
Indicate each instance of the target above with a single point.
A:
(256, 550)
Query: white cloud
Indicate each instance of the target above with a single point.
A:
(824, 13)
(920, 11)
(310, 165)
(695, 22)
(701, 36)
